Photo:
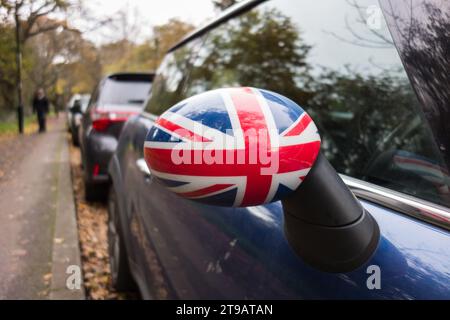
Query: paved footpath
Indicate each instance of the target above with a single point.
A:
(38, 235)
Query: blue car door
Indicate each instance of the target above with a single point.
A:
(372, 131)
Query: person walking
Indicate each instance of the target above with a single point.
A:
(41, 108)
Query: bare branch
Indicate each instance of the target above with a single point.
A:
(43, 29)
(357, 43)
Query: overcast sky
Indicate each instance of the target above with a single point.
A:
(149, 13)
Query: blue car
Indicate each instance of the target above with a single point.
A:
(356, 102)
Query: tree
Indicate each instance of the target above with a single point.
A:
(356, 112)
(224, 4)
(30, 20)
(125, 55)
(235, 53)
(64, 63)
(7, 66)
(167, 35)
(426, 40)
(33, 14)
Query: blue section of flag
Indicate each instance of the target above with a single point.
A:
(281, 192)
(172, 183)
(222, 199)
(285, 111)
(159, 135)
(208, 109)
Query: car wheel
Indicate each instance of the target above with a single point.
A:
(75, 140)
(121, 277)
(94, 192)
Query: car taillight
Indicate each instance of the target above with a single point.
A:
(96, 170)
(100, 124)
(102, 120)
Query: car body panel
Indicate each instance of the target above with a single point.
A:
(99, 147)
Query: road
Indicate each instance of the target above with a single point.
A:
(37, 224)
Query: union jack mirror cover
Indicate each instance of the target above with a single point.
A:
(233, 147)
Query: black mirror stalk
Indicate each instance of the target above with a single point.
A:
(326, 225)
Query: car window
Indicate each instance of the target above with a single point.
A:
(116, 92)
(337, 60)
(84, 103)
(171, 77)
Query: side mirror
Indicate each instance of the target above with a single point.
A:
(246, 147)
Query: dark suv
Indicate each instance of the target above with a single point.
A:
(116, 98)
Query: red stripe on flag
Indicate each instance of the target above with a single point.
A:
(298, 157)
(291, 158)
(248, 110)
(253, 123)
(299, 127)
(183, 132)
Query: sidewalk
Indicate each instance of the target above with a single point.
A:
(39, 239)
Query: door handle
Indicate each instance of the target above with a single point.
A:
(142, 165)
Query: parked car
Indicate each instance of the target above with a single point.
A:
(70, 104)
(116, 98)
(75, 115)
(186, 230)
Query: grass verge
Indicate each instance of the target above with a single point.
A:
(10, 128)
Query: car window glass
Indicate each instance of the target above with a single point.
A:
(337, 60)
(169, 83)
(124, 92)
(84, 103)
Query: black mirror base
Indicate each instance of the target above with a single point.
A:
(333, 249)
(326, 225)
